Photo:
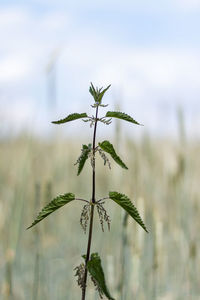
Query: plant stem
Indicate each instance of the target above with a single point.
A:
(92, 208)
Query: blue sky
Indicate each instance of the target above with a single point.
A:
(147, 50)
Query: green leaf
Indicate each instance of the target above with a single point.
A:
(83, 157)
(93, 91)
(96, 271)
(126, 204)
(103, 92)
(120, 115)
(52, 206)
(108, 147)
(71, 117)
(97, 93)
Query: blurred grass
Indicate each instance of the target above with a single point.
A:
(162, 181)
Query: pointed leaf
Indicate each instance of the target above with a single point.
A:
(83, 157)
(93, 91)
(52, 206)
(120, 115)
(126, 204)
(71, 117)
(96, 271)
(108, 147)
(102, 93)
(97, 93)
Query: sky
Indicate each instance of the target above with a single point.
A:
(147, 50)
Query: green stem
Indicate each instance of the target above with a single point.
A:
(92, 209)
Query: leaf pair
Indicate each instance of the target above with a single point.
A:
(61, 200)
(105, 146)
(109, 114)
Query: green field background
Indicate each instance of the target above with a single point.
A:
(163, 183)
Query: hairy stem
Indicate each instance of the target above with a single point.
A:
(92, 209)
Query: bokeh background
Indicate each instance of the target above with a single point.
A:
(50, 51)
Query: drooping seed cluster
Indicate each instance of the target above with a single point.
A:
(85, 215)
(91, 120)
(105, 121)
(80, 272)
(104, 157)
(103, 216)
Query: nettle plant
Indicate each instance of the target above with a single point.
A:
(91, 262)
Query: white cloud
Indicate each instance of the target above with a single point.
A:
(135, 6)
(188, 5)
(14, 68)
(159, 68)
(26, 40)
(10, 17)
(144, 74)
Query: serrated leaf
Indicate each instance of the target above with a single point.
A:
(120, 115)
(52, 206)
(71, 117)
(96, 271)
(128, 206)
(108, 147)
(83, 157)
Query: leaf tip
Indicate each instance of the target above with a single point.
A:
(29, 227)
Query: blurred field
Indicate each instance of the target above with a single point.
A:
(162, 181)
